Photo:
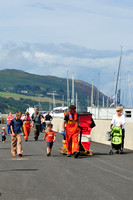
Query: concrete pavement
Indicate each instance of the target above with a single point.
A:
(37, 177)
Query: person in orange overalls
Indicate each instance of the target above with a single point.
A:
(72, 131)
(27, 121)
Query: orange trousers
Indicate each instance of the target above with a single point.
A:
(72, 138)
(26, 130)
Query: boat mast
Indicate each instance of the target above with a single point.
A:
(54, 99)
(92, 94)
(73, 89)
(118, 82)
(68, 98)
(129, 94)
(98, 93)
(103, 101)
(76, 101)
(62, 100)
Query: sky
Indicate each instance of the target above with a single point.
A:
(49, 37)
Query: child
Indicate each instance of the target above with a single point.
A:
(16, 129)
(50, 138)
(3, 134)
(26, 120)
(9, 118)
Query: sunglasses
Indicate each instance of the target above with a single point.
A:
(118, 111)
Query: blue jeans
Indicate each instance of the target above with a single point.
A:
(8, 129)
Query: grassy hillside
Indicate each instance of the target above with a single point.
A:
(20, 85)
(16, 96)
(12, 105)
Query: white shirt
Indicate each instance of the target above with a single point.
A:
(116, 121)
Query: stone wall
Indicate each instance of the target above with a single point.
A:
(99, 132)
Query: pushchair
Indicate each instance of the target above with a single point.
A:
(116, 139)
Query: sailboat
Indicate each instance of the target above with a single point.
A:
(108, 112)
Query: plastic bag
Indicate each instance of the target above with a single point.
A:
(108, 137)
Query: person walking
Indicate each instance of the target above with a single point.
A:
(119, 120)
(26, 120)
(48, 118)
(72, 131)
(50, 137)
(8, 119)
(36, 121)
(3, 134)
(16, 130)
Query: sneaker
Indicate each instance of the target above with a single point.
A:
(14, 155)
(48, 154)
(68, 155)
(77, 154)
(20, 154)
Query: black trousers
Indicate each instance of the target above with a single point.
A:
(37, 129)
(123, 136)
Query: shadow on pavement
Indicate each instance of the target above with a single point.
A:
(35, 141)
(19, 170)
(100, 154)
(32, 155)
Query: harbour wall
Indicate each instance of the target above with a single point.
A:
(98, 133)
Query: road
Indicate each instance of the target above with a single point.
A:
(37, 177)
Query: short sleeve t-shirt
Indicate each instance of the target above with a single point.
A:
(9, 118)
(50, 136)
(116, 121)
(16, 124)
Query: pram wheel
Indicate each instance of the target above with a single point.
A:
(111, 152)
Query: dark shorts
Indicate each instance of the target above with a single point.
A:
(50, 144)
(3, 138)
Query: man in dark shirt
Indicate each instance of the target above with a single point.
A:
(36, 121)
(48, 118)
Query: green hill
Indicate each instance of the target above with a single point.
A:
(29, 89)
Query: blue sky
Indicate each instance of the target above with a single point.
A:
(49, 37)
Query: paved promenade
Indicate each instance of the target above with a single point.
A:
(38, 177)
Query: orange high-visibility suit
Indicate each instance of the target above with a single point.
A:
(72, 132)
(27, 126)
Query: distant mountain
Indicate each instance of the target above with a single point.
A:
(20, 82)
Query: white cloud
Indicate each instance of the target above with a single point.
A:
(26, 55)
(56, 59)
